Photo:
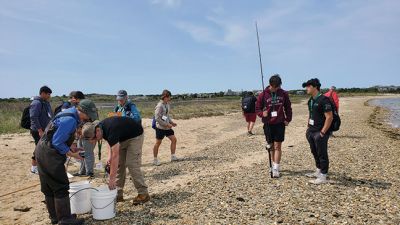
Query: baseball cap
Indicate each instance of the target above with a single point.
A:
(89, 129)
(122, 94)
(89, 108)
(313, 82)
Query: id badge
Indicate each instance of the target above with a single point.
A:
(311, 122)
(164, 118)
(274, 114)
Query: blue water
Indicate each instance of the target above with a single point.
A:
(393, 104)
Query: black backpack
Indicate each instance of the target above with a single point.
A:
(335, 126)
(247, 103)
(26, 118)
(59, 108)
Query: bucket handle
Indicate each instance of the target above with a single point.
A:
(113, 201)
(82, 190)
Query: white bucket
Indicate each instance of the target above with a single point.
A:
(79, 194)
(103, 203)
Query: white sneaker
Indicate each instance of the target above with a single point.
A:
(156, 162)
(275, 173)
(321, 179)
(174, 158)
(316, 174)
(34, 170)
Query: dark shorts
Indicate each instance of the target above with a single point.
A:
(274, 132)
(36, 138)
(160, 134)
(250, 117)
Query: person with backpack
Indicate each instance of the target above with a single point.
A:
(74, 98)
(249, 111)
(125, 138)
(275, 109)
(164, 125)
(333, 96)
(40, 115)
(319, 125)
(126, 107)
(51, 154)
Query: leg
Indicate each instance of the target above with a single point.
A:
(134, 162)
(121, 172)
(89, 156)
(322, 148)
(82, 169)
(251, 126)
(277, 152)
(36, 138)
(310, 138)
(173, 143)
(156, 147)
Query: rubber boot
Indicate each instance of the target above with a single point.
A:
(63, 210)
(51, 208)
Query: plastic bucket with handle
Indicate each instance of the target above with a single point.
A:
(79, 194)
(103, 203)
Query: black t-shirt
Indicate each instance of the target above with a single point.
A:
(118, 129)
(317, 109)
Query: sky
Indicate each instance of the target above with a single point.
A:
(189, 46)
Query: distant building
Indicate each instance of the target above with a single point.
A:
(229, 92)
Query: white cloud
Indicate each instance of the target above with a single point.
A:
(167, 3)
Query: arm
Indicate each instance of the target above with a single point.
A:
(328, 122)
(259, 105)
(288, 109)
(336, 100)
(34, 111)
(66, 126)
(135, 114)
(114, 165)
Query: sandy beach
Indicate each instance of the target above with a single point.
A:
(223, 177)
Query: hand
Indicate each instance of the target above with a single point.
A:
(40, 132)
(75, 149)
(174, 124)
(169, 126)
(75, 155)
(112, 183)
(321, 134)
(265, 113)
(286, 123)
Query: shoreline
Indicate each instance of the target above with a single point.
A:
(379, 119)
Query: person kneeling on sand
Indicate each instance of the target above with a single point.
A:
(319, 123)
(51, 153)
(125, 138)
(164, 126)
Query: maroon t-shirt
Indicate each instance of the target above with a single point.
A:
(278, 102)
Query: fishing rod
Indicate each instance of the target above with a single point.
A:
(270, 146)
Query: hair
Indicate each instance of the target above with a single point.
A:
(45, 89)
(250, 93)
(165, 94)
(275, 80)
(77, 95)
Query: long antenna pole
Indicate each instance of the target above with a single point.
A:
(259, 55)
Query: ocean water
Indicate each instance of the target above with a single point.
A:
(393, 104)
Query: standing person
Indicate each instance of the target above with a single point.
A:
(164, 126)
(87, 164)
(275, 109)
(126, 107)
(333, 96)
(51, 153)
(319, 122)
(74, 98)
(249, 111)
(40, 115)
(125, 138)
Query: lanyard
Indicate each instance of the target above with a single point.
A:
(273, 100)
(312, 103)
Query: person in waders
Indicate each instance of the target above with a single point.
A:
(125, 138)
(51, 153)
(275, 109)
(319, 123)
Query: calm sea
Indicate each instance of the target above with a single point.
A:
(393, 104)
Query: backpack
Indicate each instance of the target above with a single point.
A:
(335, 126)
(59, 108)
(154, 123)
(26, 118)
(247, 104)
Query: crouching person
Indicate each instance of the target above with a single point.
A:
(51, 153)
(125, 138)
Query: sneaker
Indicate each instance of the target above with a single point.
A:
(174, 158)
(316, 174)
(34, 170)
(140, 199)
(249, 133)
(321, 179)
(156, 162)
(275, 173)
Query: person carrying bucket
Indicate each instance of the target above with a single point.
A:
(51, 153)
(125, 138)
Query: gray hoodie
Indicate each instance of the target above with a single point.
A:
(161, 115)
(40, 113)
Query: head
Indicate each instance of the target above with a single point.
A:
(166, 96)
(92, 131)
(122, 97)
(76, 96)
(333, 88)
(275, 82)
(45, 93)
(250, 93)
(312, 86)
(87, 110)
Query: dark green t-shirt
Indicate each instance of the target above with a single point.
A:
(317, 109)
